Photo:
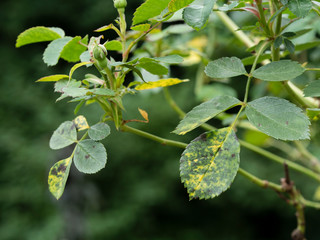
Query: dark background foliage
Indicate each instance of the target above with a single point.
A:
(138, 195)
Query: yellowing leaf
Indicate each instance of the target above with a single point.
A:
(81, 123)
(144, 114)
(77, 66)
(58, 176)
(104, 28)
(52, 78)
(160, 83)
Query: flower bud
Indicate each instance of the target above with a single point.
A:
(99, 52)
(120, 3)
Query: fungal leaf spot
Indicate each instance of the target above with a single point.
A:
(210, 163)
(81, 123)
(58, 176)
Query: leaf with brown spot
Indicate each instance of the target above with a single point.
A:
(58, 176)
(65, 135)
(90, 156)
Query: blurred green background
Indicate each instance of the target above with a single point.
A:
(138, 195)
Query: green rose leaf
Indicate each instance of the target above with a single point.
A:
(196, 16)
(73, 50)
(289, 45)
(58, 176)
(66, 83)
(149, 9)
(99, 131)
(90, 156)
(170, 59)
(210, 163)
(101, 92)
(279, 71)
(113, 45)
(141, 27)
(300, 8)
(225, 67)
(278, 118)
(38, 34)
(152, 66)
(205, 111)
(176, 5)
(312, 89)
(65, 135)
(52, 53)
(313, 113)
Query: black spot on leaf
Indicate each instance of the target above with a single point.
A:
(62, 168)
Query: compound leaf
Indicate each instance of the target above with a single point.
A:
(312, 89)
(225, 67)
(176, 5)
(38, 34)
(99, 131)
(196, 16)
(58, 176)
(149, 9)
(278, 118)
(279, 71)
(65, 135)
(205, 111)
(210, 163)
(160, 83)
(300, 8)
(90, 156)
(53, 51)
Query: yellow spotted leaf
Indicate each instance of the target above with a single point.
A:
(58, 176)
(81, 123)
(210, 163)
(160, 83)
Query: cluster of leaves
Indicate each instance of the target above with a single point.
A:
(210, 162)
(89, 155)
